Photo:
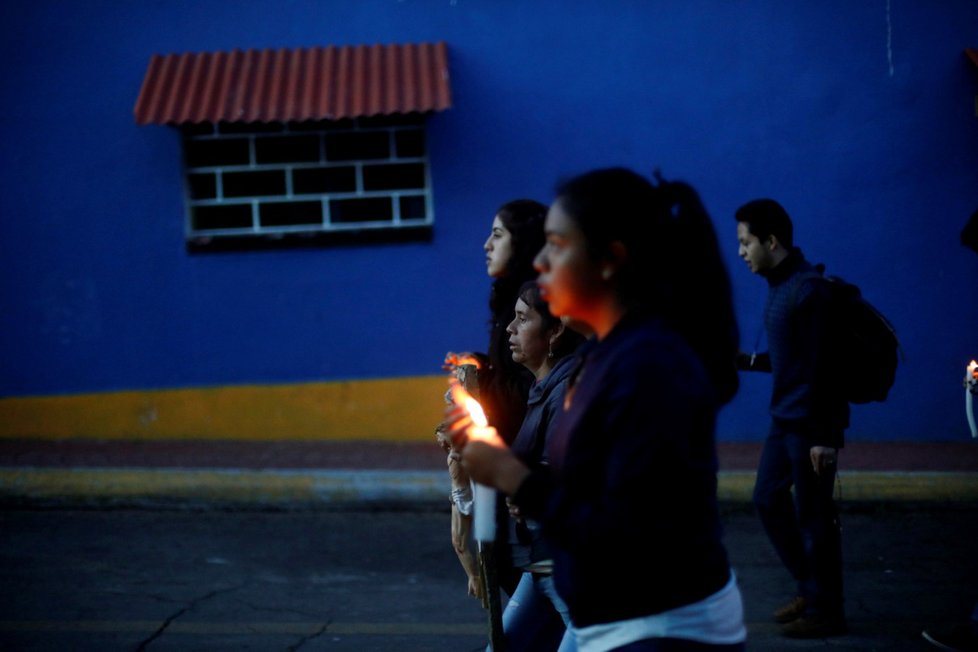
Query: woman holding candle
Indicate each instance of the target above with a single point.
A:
(502, 384)
(535, 618)
(634, 447)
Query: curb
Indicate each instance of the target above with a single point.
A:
(219, 488)
(872, 486)
(291, 489)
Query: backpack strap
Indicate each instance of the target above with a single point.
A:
(837, 283)
(818, 272)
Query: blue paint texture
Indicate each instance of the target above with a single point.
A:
(858, 116)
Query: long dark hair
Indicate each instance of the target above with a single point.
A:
(674, 267)
(505, 386)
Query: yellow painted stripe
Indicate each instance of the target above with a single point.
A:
(222, 485)
(340, 485)
(738, 486)
(908, 485)
(399, 409)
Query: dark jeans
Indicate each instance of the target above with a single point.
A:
(804, 530)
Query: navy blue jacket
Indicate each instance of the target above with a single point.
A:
(804, 396)
(629, 502)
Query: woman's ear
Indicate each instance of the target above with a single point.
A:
(617, 257)
(555, 332)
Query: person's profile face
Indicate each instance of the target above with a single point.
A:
(570, 280)
(498, 248)
(527, 340)
(754, 252)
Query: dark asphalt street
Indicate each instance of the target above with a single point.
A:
(381, 581)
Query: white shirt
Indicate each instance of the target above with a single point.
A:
(717, 619)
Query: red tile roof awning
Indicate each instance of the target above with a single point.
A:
(286, 85)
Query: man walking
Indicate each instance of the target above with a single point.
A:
(808, 419)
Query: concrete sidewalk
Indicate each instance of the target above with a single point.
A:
(289, 475)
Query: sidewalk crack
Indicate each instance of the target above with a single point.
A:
(305, 639)
(170, 619)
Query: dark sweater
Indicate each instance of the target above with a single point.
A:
(629, 503)
(545, 403)
(804, 396)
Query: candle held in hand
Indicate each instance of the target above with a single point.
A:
(483, 497)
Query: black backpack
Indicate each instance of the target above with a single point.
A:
(865, 348)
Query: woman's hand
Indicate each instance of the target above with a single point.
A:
(485, 455)
(460, 479)
(455, 428)
(489, 462)
(444, 441)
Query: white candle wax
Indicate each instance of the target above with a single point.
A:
(484, 506)
(483, 497)
(969, 409)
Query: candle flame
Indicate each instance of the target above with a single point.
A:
(463, 398)
(476, 412)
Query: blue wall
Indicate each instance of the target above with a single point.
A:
(859, 117)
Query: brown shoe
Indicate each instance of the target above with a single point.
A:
(814, 626)
(790, 611)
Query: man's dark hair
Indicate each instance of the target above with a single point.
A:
(766, 217)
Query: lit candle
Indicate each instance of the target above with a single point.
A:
(971, 388)
(483, 497)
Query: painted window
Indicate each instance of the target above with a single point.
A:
(276, 184)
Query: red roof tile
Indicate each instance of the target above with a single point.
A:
(294, 84)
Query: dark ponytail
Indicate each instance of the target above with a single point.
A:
(699, 301)
(674, 267)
